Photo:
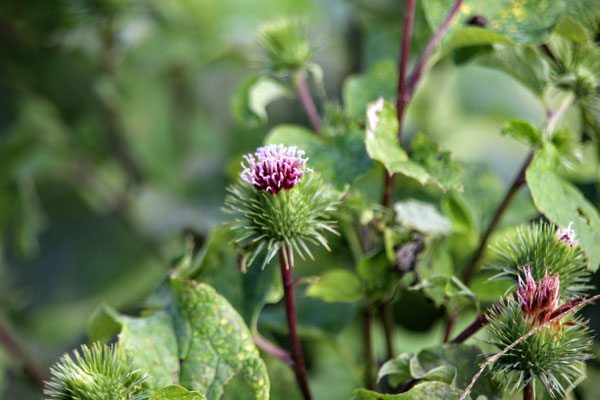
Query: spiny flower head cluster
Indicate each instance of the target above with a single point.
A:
(538, 301)
(285, 45)
(274, 168)
(97, 373)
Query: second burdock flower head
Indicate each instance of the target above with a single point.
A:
(538, 301)
(279, 203)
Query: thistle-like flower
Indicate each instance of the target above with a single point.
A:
(97, 373)
(544, 250)
(538, 301)
(277, 204)
(275, 168)
(285, 44)
(566, 235)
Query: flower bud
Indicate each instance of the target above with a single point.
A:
(538, 301)
(567, 235)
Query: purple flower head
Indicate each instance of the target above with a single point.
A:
(538, 301)
(567, 235)
(274, 168)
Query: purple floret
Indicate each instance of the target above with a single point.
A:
(274, 168)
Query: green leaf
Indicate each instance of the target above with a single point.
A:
(442, 171)
(468, 36)
(340, 159)
(336, 285)
(152, 343)
(571, 29)
(378, 81)
(421, 391)
(214, 343)
(428, 163)
(175, 392)
(453, 364)
(252, 97)
(523, 131)
(217, 265)
(198, 341)
(422, 217)
(562, 203)
(524, 22)
(523, 64)
(379, 278)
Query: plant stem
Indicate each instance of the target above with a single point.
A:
(449, 325)
(519, 180)
(368, 347)
(306, 100)
(290, 308)
(528, 393)
(480, 322)
(14, 349)
(417, 71)
(273, 349)
(387, 317)
(401, 99)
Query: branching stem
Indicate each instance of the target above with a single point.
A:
(14, 349)
(368, 347)
(273, 349)
(290, 308)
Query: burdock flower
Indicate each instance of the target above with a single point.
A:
(274, 168)
(98, 372)
(276, 203)
(567, 235)
(538, 301)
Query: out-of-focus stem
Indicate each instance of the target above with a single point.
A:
(368, 347)
(290, 308)
(528, 392)
(273, 349)
(306, 100)
(387, 317)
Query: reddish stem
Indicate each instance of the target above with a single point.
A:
(529, 393)
(13, 348)
(401, 99)
(471, 268)
(290, 308)
(417, 71)
(480, 322)
(306, 100)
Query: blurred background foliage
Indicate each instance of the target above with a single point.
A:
(117, 141)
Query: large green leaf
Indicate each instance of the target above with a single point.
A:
(421, 391)
(339, 159)
(427, 163)
(214, 343)
(175, 392)
(562, 203)
(525, 22)
(523, 64)
(378, 81)
(198, 341)
(217, 265)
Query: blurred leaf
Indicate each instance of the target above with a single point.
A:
(422, 217)
(467, 36)
(378, 277)
(447, 290)
(523, 131)
(569, 28)
(175, 392)
(378, 81)
(428, 163)
(421, 391)
(458, 212)
(562, 203)
(340, 159)
(523, 64)
(453, 364)
(528, 22)
(336, 285)
(250, 101)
